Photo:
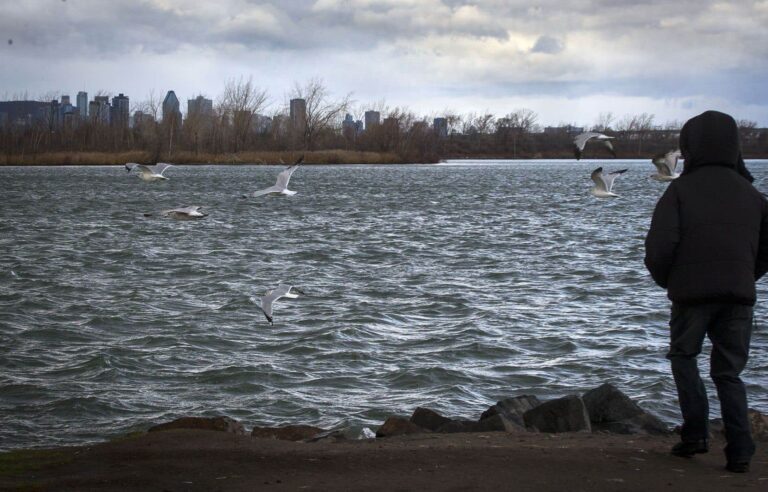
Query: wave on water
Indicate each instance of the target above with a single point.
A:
(448, 286)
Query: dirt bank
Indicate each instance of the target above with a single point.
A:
(192, 460)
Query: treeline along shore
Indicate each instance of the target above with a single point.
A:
(190, 158)
(432, 150)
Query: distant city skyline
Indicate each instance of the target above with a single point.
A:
(567, 61)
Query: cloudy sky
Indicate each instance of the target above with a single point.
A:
(566, 60)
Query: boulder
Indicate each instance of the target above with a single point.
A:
(396, 426)
(222, 424)
(513, 408)
(428, 419)
(759, 425)
(567, 414)
(433, 421)
(607, 404)
(498, 422)
(457, 425)
(287, 432)
(611, 410)
(644, 423)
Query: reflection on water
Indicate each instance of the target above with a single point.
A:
(448, 286)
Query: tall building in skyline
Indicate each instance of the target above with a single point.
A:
(99, 110)
(351, 128)
(66, 111)
(82, 104)
(141, 118)
(171, 110)
(54, 115)
(298, 110)
(199, 106)
(24, 113)
(440, 126)
(120, 111)
(372, 118)
(261, 123)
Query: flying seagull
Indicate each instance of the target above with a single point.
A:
(282, 290)
(182, 213)
(149, 173)
(665, 166)
(185, 213)
(281, 186)
(604, 183)
(581, 140)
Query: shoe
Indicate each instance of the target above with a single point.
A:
(686, 449)
(737, 466)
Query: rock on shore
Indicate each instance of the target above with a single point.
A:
(604, 409)
(223, 424)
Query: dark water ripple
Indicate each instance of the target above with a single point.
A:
(448, 286)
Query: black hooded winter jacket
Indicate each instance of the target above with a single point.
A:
(708, 240)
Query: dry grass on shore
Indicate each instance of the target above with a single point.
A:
(266, 157)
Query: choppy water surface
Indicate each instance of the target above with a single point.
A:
(447, 286)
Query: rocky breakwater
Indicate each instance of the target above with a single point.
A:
(604, 409)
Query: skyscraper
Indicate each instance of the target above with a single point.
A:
(99, 110)
(298, 115)
(440, 126)
(372, 118)
(54, 115)
(120, 111)
(171, 111)
(24, 112)
(66, 110)
(199, 106)
(82, 104)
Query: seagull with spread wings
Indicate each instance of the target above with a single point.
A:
(181, 213)
(666, 165)
(281, 185)
(185, 213)
(282, 290)
(149, 173)
(604, 183)
(581, 141)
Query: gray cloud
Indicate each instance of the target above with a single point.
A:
(632, 48)
(547, 44)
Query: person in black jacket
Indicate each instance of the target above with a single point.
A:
(708, 245)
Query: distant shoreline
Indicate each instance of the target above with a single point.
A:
(192, 158)
(270, 158)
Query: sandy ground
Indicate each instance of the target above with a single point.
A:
(194, 460)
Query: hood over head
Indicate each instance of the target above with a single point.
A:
(712, 138)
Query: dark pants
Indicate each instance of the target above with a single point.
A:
(729, 327)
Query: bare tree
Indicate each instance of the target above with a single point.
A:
(322, 112)
(637, 127)
(747, 130)
(197, 124)
(486, 123)
(150, 106)
(516, 125)
(603, 122)
(746, 124)
(239, 103)
(148, 128)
